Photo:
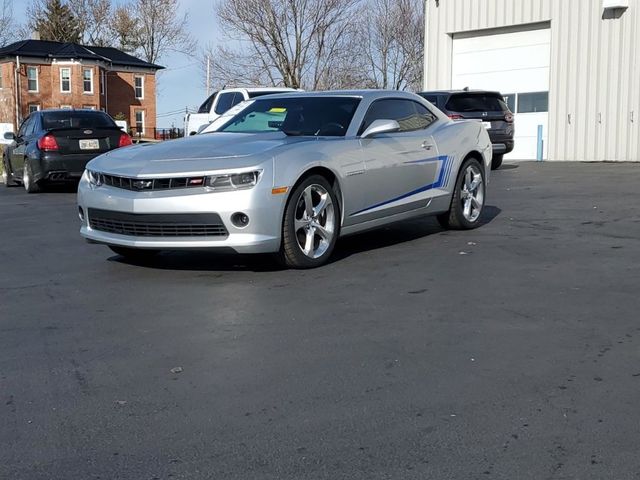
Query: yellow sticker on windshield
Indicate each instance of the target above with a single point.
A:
(278, 110)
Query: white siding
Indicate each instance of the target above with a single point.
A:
(594, 82)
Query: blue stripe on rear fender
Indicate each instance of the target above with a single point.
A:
(443, 178)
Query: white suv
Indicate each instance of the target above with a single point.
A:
(219, 102)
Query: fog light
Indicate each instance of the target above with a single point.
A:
(240, 220)
(81, 214)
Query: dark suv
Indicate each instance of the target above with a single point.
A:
(55, 145)
(489, 107)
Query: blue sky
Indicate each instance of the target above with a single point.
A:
(182, 83)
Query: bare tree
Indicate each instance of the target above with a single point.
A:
(7, 23)
(124, 30)
(95, 17)
(392, 43)
(160, 29)
(295, 43)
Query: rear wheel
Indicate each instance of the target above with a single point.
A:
(30, 185)
(496, 162)
(311, 224)
(468, 198)
(135, 254)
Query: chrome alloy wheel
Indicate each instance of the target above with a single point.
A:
(472, 193)
(314, 221)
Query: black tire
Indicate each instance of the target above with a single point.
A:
(328, 220)
(455, 218)
(27, 179)
(496, 162)
(134, 254)
(7, 175)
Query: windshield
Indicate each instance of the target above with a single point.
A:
(303, 116)
(476, 102)
(76, 119)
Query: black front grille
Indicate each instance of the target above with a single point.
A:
(157, 225)
(152, 183)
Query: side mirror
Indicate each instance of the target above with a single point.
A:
(9, 136)
(381, 126)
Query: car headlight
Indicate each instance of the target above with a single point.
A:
(235, 181)
(95, 179)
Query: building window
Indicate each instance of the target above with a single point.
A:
(139, 87)
(32, 79)
(65, 80)
(66, 107)
(139, 122)
(87, 80)
(533, 102)
(103, 82)
(33, 108)
(89, 107)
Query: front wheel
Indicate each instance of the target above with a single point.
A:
(468, 198)
(30, 185)
(134, 254)
(311, 224)
(7, 177)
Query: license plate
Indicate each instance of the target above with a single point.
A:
(90, 144)
(487, 125)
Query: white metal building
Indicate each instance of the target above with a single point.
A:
(572, 66)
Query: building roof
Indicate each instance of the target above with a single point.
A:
(58, 50)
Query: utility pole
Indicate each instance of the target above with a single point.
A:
(208, 75)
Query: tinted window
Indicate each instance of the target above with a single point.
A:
(533, 102)
(430, 98)
(238, 98)
(410, 115)
(206, 106)
(308, 116)
(225, 102)
(76, 119)
(476, 102)
(32, 126)
(24, 126)
(510, 100)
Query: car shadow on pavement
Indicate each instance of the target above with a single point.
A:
(393, 234)
(396, 233)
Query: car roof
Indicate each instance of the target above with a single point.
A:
(257, 89)
(368, 94)
(57, 110)
(449, 92)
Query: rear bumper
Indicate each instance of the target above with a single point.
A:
(502, 147)
(59, 167)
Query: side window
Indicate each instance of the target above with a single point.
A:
(25, 125)
(424, 117)
(33, 125)
(410, 115)
(206, 106)
(237, 99)
(225, 102)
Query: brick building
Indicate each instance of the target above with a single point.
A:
(36, 74)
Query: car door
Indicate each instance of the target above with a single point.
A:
(400, 166)
(18, 149)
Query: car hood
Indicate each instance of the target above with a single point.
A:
(196, 154)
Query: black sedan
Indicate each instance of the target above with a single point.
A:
(54, 146)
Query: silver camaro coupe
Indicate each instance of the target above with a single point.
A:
(289, 174)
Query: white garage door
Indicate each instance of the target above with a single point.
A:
(517, 65)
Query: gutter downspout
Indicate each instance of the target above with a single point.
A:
(17, 84)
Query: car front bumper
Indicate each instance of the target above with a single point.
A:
(261, 235)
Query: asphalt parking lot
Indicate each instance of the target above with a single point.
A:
(510, 352)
